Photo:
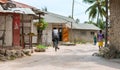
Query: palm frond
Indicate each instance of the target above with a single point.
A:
(89, 1)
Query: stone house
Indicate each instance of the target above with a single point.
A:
(83, 32)
(63, 24)
(13, 25)
(25, 24)
(78, 32)
(115, 24)
(53, 21)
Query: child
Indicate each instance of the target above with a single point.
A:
(100, 38)
(95, 39)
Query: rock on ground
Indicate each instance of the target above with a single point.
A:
(77, 57)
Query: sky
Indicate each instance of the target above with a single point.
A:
(61, 7)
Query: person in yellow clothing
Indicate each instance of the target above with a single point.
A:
(100, 38)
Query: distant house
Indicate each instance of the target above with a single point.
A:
(53, 20)
(78, 32)
(82, 32)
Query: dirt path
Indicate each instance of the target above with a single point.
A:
(77, 57)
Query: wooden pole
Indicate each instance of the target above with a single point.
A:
(73, 9)
(23, 44)
(72, 18)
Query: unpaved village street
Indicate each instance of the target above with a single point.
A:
(77, 57)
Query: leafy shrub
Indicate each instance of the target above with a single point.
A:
(41, 47)
(42, 24)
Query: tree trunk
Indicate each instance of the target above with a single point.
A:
(39, 36)
(115, 24)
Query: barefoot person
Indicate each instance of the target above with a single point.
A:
(100, 38)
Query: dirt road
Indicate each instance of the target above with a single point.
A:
(77, 57)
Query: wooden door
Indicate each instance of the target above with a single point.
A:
(65, 34)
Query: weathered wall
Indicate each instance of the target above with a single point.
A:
(8, 28)
(115, 24)
(27, 24)
(34, 30)
(47, 35)
(81, 35)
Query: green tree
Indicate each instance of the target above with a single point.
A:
(96, 10)
(70, 17)
(90, 22)
(100, 23)
(41, 25)
(44, 9)
(77, 21)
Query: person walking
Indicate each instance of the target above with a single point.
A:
(55, 38)
(100, 38)
(95, 38)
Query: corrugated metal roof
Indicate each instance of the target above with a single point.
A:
(83, 26)
(4, 11)
(17, 10)
(23, 10)
(52, 19)
(55, 18)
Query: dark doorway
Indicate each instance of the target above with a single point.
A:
(60, 34)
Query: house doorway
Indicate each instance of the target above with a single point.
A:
(60, 30)
(65, 34)
(60, 34)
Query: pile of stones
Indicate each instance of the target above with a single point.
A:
(108, 52)
(6, 54)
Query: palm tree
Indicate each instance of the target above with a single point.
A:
(100, 23)
(96, 10)
(90, 22)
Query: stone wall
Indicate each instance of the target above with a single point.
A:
(47, 35)
(34, 30)
(81, 35)
(6, 24)
(115, 24)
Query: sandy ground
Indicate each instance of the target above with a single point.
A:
(77, 57)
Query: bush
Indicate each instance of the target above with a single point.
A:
(41, 47)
